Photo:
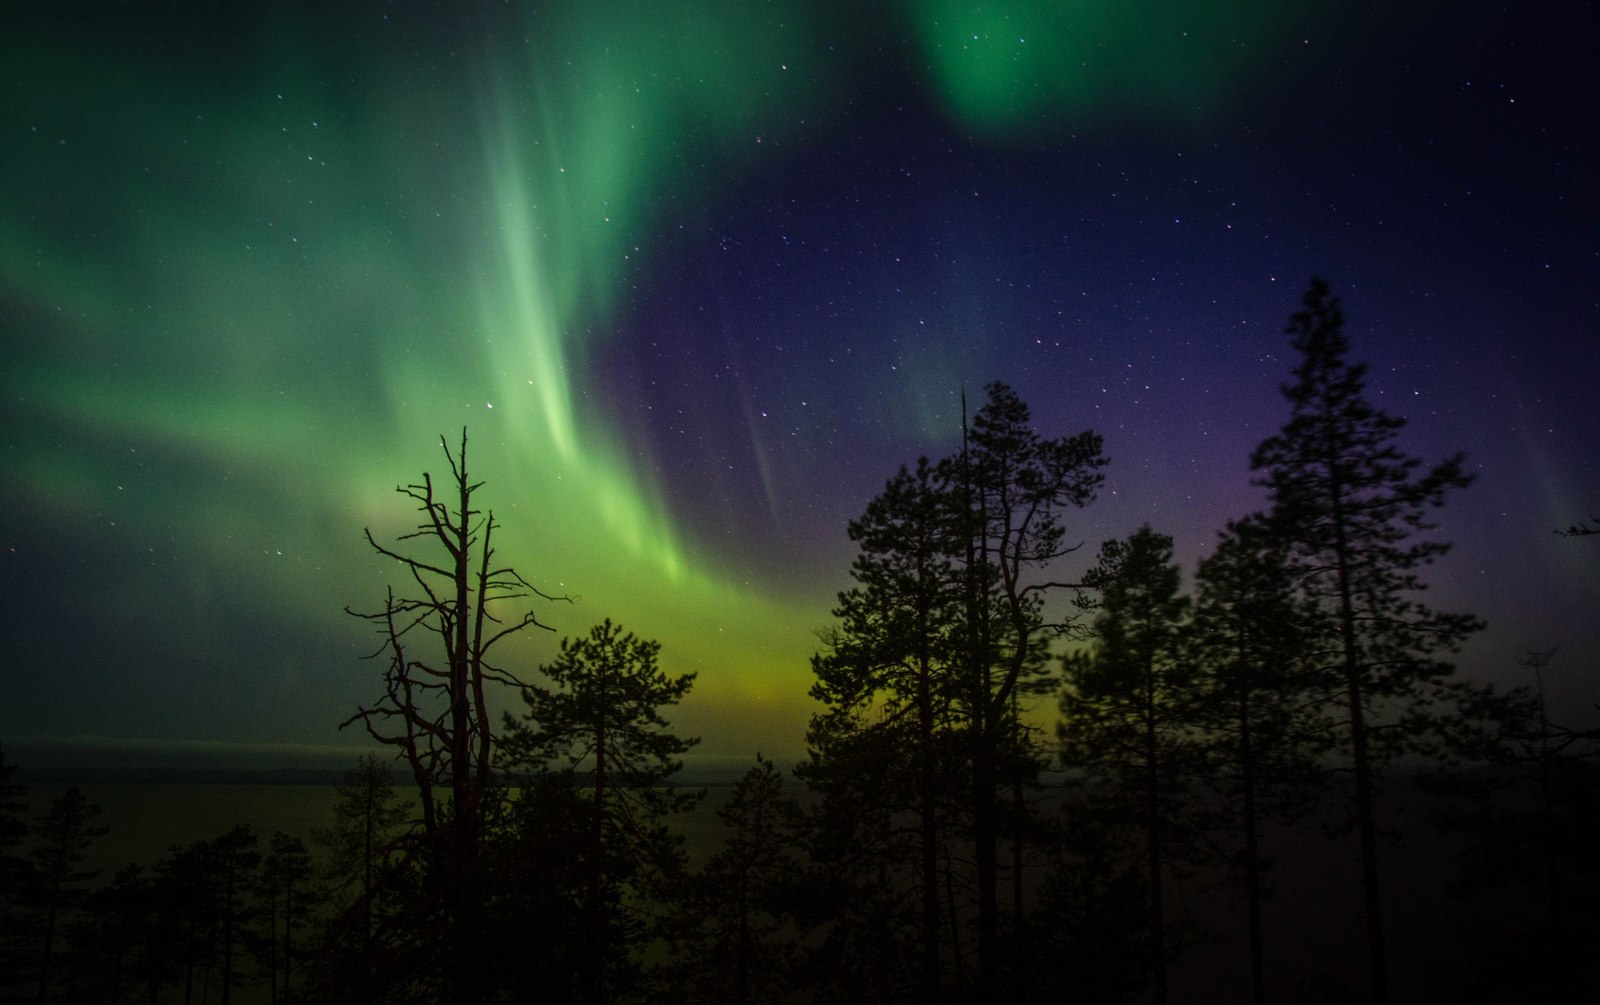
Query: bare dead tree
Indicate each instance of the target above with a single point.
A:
(434, 710)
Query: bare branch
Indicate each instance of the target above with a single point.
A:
(1582, 528)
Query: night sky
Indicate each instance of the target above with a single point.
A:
(698, 277)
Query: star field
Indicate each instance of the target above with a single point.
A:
(699, 277)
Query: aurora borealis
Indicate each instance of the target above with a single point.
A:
(699, 276)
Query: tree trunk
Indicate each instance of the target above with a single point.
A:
(463, 837)
(49, 945)
(1017, 815)
(288, 937)
(1252, 851)
(368, 840)
(1152, 808)
(1365, 815)
(227, 941)
(985, 854)
(929, 978)
(595, 952)
(272, 946)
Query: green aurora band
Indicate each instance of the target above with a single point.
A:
(259, 278)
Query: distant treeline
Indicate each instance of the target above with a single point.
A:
(110, 774)
(104, 774)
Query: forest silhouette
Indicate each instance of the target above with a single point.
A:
(946, 837)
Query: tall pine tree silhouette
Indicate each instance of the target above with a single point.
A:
(1128, 714)
(65, 831)
(1352, 512)
(1267, 714)
(888, 671)
(597, 736)
(940, 644)
(1015, 489)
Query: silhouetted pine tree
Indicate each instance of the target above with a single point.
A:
(204, 913)
(1129, 715)
(888, 685)
(186, 919)
(230, 861)
(112, 941)
(535, 851)
(1012, 487)
(860, 906)
(16, 883)
(1352, 514)
(733, 937)
(288, 896)
(65, 832)
(362, 854)
(1091, 931)
(1265, 712)
(1524, 793)
(597, 732)
(922, 743)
